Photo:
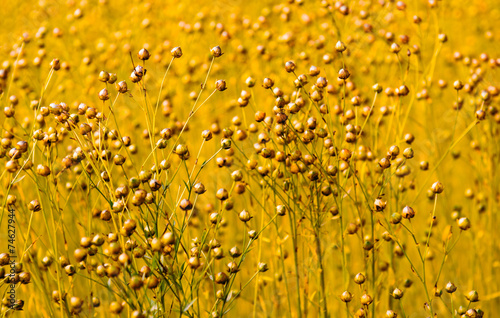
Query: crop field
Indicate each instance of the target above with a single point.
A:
(293, 158)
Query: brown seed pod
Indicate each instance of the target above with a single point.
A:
(290, 66)
(143, 54)
(408, 212)
(104, 94)
(343, 74)
(176, 52)
(220, 85)
(216, 51)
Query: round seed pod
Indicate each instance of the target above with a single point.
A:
(103, 76)
(437, 187)
(346, 296)
(463, 223)
(221, 278)
(220, 85)
(216, 51)
(408, 212)
(366, 299)
(176, 52)
(472, 296)
(104, 94)
(397, 293)
(290, 66)
(143, 54)
(359, 278)
(115, 307)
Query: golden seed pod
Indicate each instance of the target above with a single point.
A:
(346, 296)
(391, 314)
(122, 87)
(104, 94)
(244, 216)
(34, 205)
(43, 170)
(253, 234)
(176, 52)
(250, 82)
(343, 74)
(384, 163)
(4, 259)
(340, 47)
(280, 210)
(112, 78)
(216, 51)
(75, 302)
(442, 38)
(397, 293)
(185, 205)
(80, 254)
(139, 71)
(437, 187)
(472, 296)
(104, 76)
(408, 212)
(290, 66)
(262, 267)
(222, 194)
(480, 114)
(267, 83)
(366, 299)
(458, 85)
(464, 223)
(221, 278)
(115, 308)
(206, 134)
(143, 54)
(395, 48)
(359, 278)
(408, 153)
(450, 288)
(55, 64)
(181, 149)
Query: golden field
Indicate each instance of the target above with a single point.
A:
(250, 158)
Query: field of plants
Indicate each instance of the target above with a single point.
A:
(293, 158)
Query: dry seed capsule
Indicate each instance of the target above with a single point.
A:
(176, 52)
(55, 64)
(267, 83)
(463, 223)
(408, 212)
(262, 267)
(116, 308)
(340, 47)
(343, 74)
(359, 278)
(103, 76)
(143, 54)
(221, 278)
(290, 66)
(397, 293)
(104, 94)
(244, 216)
(450, 288)
(346, 296)
(437, 187)
(366, 299)
(122, 87)
(472, 296)
(220, 85)
(112, 78)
